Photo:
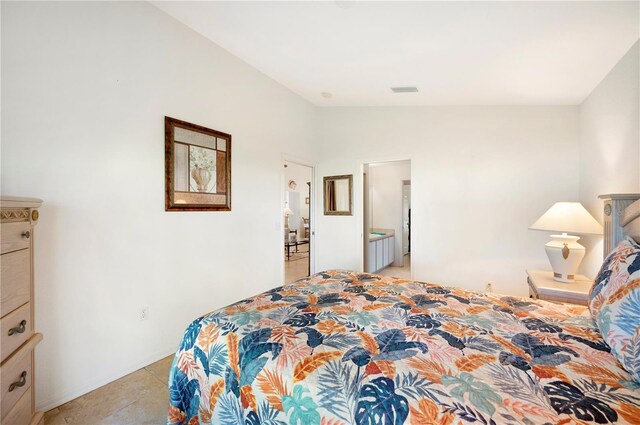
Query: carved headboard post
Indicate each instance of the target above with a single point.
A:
(614, 205)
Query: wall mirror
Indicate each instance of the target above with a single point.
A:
(338, 195)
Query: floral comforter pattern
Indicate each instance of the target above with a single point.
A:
(349, 348)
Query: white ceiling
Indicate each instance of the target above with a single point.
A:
(456, 53)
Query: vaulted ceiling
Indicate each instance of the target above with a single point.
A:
(455, 53)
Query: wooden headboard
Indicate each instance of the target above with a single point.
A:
(631, 221)
(614, 206)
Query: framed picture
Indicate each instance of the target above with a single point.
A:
(338, 195)
(197, 167)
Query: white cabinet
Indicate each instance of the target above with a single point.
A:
(381, 254)
(371, 261)
(385, 252)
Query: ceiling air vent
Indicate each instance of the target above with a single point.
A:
(404, 89)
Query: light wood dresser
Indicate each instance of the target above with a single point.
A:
(18, 216)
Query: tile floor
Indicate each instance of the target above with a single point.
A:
(296, 269)
(403, 272)
(141, 397)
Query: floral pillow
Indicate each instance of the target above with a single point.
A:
(614, 303)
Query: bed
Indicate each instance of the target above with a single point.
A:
(341, 347)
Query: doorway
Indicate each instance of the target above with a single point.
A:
(406, 217)
(387, 218)
(297, 212)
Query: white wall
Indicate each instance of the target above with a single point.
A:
(479, 177)
(610, 144)
(385, 184)
(85, 88)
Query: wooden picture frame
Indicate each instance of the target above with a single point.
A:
(197, 167)
(338, 195)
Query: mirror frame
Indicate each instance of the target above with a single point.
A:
(325, 200)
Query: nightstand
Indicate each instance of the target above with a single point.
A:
(542, 286)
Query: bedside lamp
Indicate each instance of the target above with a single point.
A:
(564, 251)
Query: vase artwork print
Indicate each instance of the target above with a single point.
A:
(197, 167)
(202, 163)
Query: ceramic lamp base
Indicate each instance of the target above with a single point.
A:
(565, 255)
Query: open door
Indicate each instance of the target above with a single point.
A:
(386, 222)
(298, 224)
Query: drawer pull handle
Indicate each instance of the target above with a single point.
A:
(18, 329)
(26, 234)
(20, 383)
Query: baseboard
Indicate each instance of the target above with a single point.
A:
(58, 401)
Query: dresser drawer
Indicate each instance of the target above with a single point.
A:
(15, 378)
(15, 236)
(15, 280)
(18, 323)
(21, 412)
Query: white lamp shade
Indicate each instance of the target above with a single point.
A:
(287, 211)
(568, 217)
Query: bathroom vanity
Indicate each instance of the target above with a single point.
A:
(381, 251)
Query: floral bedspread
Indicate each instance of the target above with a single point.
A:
(348, 348)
